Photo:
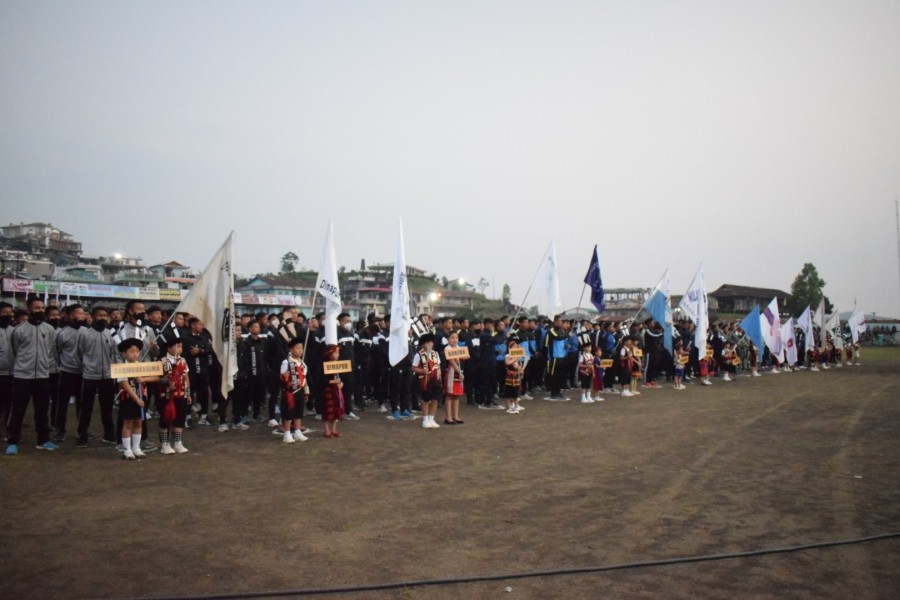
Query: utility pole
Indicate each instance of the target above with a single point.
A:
(897, 209)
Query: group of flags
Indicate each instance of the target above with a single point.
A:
(211, 299)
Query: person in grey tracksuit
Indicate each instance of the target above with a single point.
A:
(31, 344)
(98, 353)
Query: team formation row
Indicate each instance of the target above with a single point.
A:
(54, 357)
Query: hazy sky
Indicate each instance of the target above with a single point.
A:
(751, 136)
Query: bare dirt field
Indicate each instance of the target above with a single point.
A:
(762, 463)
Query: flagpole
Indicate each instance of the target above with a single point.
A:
(649, 295)
(528, 291)
(312, 309)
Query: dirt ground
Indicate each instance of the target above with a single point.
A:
(774, 461)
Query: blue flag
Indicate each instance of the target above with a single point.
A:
(593, 279)
(753, 328)
(658, 307)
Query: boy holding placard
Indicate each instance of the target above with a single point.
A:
(132, 397)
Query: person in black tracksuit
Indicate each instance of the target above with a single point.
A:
(254, 367)
(487, 367)
(197, 352)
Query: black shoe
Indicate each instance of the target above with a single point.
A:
(110, 442)
(81, 444)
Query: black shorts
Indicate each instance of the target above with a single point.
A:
(128, 409)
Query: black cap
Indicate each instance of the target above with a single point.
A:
(124, 345)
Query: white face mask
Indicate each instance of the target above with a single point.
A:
(348, 326)
(275, 322)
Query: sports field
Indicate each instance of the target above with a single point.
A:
(763, 463)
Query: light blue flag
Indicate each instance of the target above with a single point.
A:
(753, 329)
(658, 307)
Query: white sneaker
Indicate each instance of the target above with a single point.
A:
(241, 426)
(166, 449)
(223, 427)
(351, 417)
(585, 400)
(425, 424)
(278, 431)
(527, 397)
(287, 438)
(598, 399)
(138, 453)
(511, 410)
(626, 394)
(433, 424)
(382, 408)
(128, 454)
(299, 437)
(179, 448)
(272, 423)
(203, 421)
(706, 382)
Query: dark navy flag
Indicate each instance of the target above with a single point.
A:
(594, 280)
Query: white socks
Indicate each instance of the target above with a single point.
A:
(126, 442)
(135, 440)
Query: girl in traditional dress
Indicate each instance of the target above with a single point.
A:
(331, 400)
(453, 384)
(586, 373)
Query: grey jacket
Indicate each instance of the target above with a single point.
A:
(34, 350)
(6, 358)
(67, 350)
(97, 351)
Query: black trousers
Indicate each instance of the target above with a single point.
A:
(69, 385)
(256, 394)
(6, 395)
(200, 390)
(400, 384)
(274, 390)
(37, 391)
(556, 374)
(105, 390)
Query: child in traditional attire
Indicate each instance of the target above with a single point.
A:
(331, 400)
(586, 374)
(296, 390)
(513, 380)
(132, 397)
(175, 395)
(453, 384)
(427, 365)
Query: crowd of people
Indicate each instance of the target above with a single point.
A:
(52, 357)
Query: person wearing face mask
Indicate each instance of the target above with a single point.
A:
(69, 370)
(32, 345)
(347, 340)
(6, 327)
(98, 352)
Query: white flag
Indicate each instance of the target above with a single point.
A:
(857, 323)
(548, 282)
(695, 305)
(211, 299)
(400, 317)
(833, 326)
(327, 285)
(789, 342)
(818, 319)
(804, 322)
(770, 323)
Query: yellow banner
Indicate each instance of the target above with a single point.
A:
(517, 352)
(137, 369)
(337, 366)
(638, 353)
(460, 352)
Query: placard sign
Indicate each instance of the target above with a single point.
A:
(136, 369)
(637, 353)
(684, 360)
(333, 367)
(736, 361)
(606, 363)
(458, 353)
(517, 352)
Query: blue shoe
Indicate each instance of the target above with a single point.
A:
(396, 415)
(48, 445)
(12, 449)
(406, 414)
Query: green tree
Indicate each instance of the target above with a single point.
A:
(288, 261)
(807, 290)
(506, 294)
(482, 285)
